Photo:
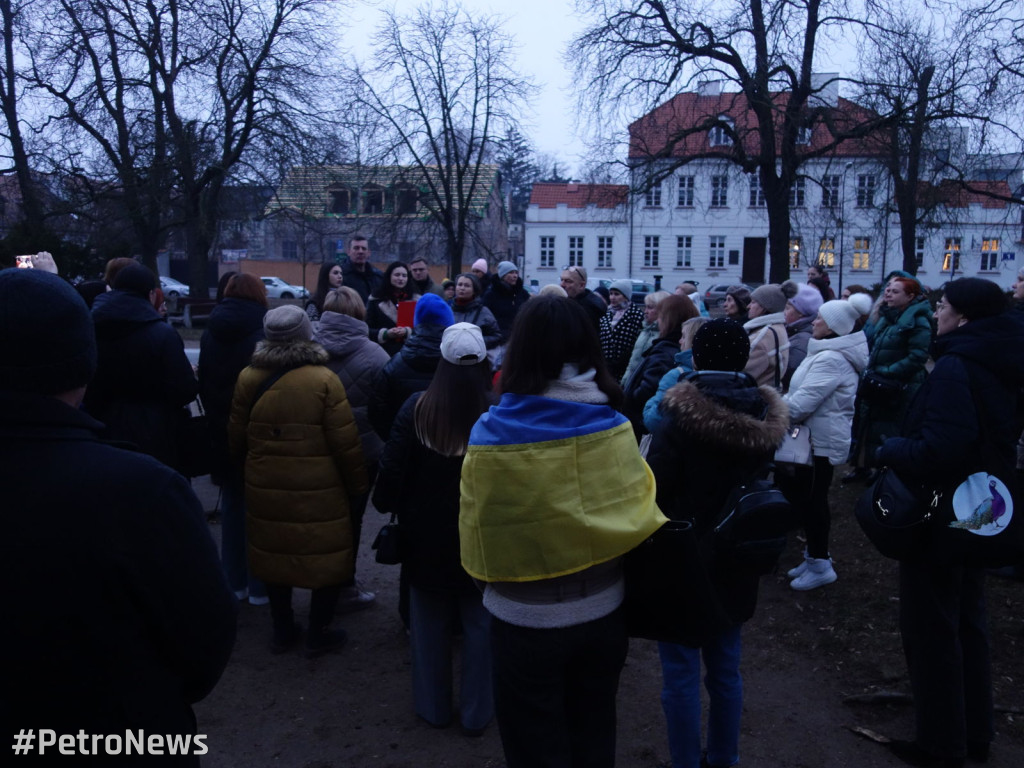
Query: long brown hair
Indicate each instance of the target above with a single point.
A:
(446, 412)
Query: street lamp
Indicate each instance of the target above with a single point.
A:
(842, 222)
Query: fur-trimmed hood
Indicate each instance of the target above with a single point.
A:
(288, 354)
(727, 411)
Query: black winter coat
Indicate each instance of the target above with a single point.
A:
(365, 283)
(422, 487)
(717, 430)
(657, 360)
(231, 335)
(410, 371)
(594, 306)
(117, 614)
(505, 301)
(143, 378)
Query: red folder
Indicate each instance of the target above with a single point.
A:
(406, 311)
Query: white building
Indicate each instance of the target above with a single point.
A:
(706, 219)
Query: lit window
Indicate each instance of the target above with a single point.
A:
(951, 257)
(719, 191)
(830, 191)
(989, 254)
(717, 245)
(686, 191)
(684, 251)
(826, 252)
(865, 191)
(651, 247)
(797, 191)
(604, 250)
(795, 246)
(862, 253)
(547, 251)
(756, 190)
(576, 251)
(652, 197)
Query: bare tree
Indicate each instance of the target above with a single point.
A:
(443, 86)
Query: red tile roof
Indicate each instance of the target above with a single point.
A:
(653, 133)
(952, 194)
(550, 195)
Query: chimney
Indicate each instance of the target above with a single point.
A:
(572, 186)
(710, 88)
(825, 87)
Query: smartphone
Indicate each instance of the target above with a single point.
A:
(23, 262)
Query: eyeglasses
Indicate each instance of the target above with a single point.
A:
(578, 270)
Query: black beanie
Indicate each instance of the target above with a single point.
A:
(975, 298)
(721, 345)
(47, 342)
(136, 279)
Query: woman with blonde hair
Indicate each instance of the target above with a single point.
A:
(648, 333)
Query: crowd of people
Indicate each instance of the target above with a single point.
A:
(525, 444)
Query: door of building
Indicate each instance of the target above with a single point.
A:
(754, 249)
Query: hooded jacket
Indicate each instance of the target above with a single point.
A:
(505, 301)
(823, 390)
(761, 364)
(717, 430)
(303, 461)
(143, 378)
(475, 312)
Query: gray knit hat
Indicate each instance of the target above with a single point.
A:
(770, 297)
(625, 287)
(287, 323)
(504, 267)
(47, 341)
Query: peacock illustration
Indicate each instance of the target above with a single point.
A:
(988, 511)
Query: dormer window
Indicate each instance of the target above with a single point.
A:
(803, 134)
(406, 199)
(721, 135)
(340, 201)
(373, 200)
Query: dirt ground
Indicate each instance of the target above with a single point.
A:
(805, 654)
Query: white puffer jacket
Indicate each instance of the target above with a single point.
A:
(823, 389)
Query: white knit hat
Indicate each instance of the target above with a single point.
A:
(862, 302)
(840, 316)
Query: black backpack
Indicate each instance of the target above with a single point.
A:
(752, 528)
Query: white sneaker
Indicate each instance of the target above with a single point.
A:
(354, 598)
(799, 570)
(819, 572)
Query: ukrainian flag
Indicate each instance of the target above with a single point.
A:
(551, 487)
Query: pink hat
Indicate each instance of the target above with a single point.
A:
(481, 265)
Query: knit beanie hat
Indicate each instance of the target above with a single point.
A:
(721, 345)
(480, 264)
(463, 344)
(431, 309)
(862, 302)
(136, 279)
(740, 294)
(504, 267)
(975, 298)
(47, 341)
(807, 300)
(840, 316)
(771, 297)
(625, 287)
(287, 323)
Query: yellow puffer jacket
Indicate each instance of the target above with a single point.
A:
(303, 460)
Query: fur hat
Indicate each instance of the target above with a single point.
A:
(47, 341)
(721, 345)
(807, 300)
(975, 297)
(771, 297)
(740, 294)
(431, 309)
(287, 323)
(840, 316)
(625, 287)
(481, 265)
(504, 267)
(463, 344)
(136, 279)
(862, 302)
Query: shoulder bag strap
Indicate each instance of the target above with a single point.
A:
(778, 375)
(267, 383)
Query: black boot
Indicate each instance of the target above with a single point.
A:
(320, 639)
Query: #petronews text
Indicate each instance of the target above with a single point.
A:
(132, 743)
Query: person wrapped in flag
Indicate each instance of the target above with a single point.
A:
(553, 493)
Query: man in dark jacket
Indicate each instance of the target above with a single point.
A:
(143, 378)
(422, 282)
(574, 283)
(357, 271)
(505, 296)
(117, 617)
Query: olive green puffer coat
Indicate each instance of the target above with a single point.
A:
(303, 461)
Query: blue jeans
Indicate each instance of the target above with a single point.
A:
(680, 699)
(233, 541)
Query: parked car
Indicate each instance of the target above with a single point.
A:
(640, 288)
(279, 289)
(715, 295)
(172, 288)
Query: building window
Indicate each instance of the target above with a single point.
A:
(652, 197)
(373, 200)
(919, 251)
(719, 191)
(830, 186)
(795, 246)
(797, 192)
(756, 190)
(720, 135)
(826, 252)
(405, 200)
(686, 191)
(341, 201)
(717, 246)
(862, 253)
(289, 250)
(951, 258)
(604, 250)
(684, 251)
(575, 250)
(989, 254)
(651, 247)
(865, 190)
(547, 250)
(803, 134)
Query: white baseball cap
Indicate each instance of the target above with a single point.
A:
(463, 344)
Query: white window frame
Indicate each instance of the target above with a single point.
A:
(756, 190)
(795, 247)
(865, 190)
(798, 192)
(716, 252)
(951, 254)
(547, 251)
(861, 253)
(575, 250)
(989, 254)
(684, 251)
(652, 250)
(919, 251)
(720, 191)
(687, 184)
(605, 245)
(718, 135)
(652, 197)
(831, 186)
(826, 252)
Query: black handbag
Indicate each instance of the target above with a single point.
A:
(895, 516)
(879, 390)
(388, 544)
